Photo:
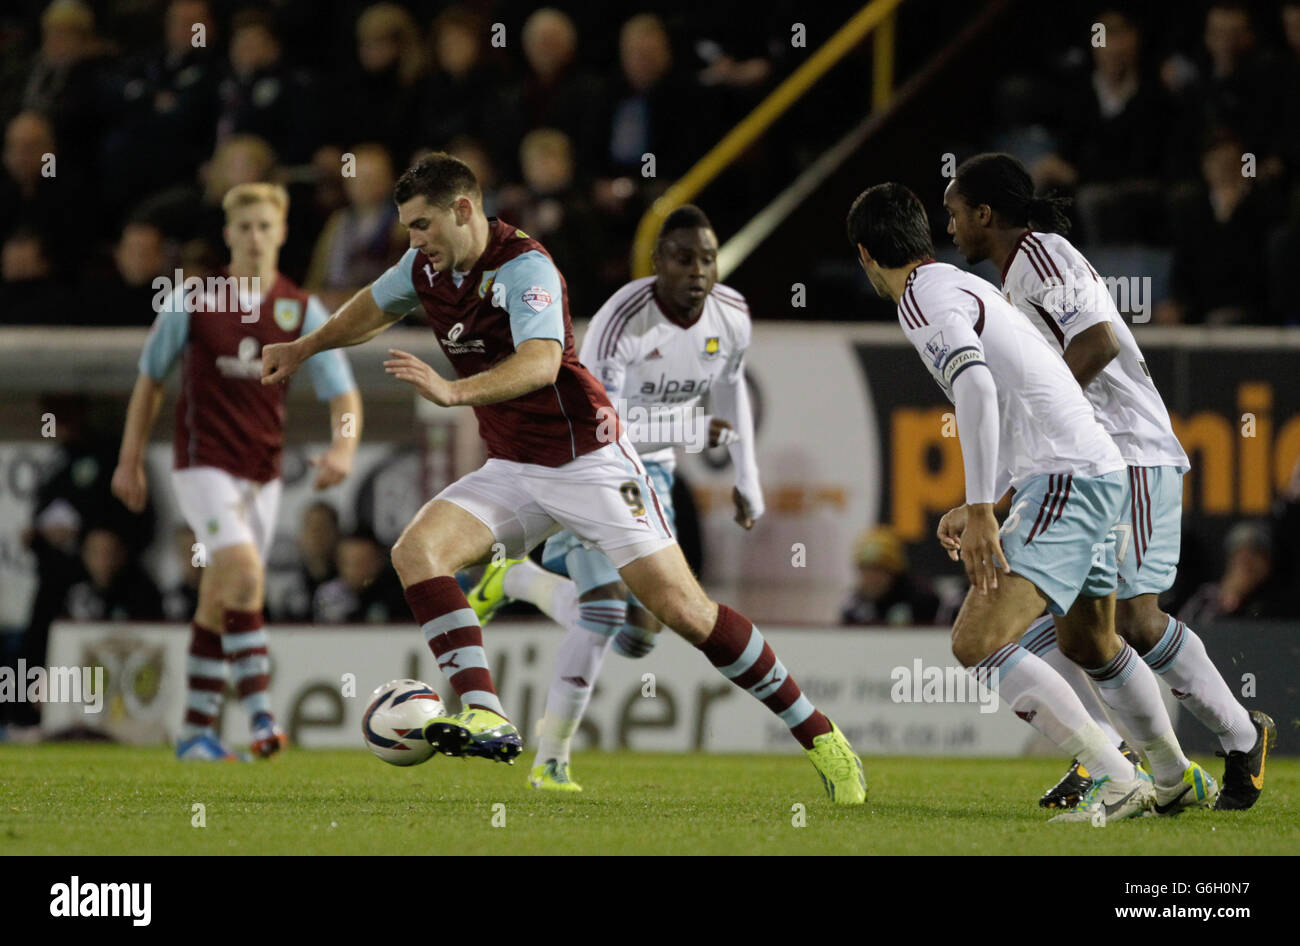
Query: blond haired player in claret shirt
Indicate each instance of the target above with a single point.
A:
(227, 446)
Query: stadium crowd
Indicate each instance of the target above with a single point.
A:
(1182, 154)
(153, 109)
(150, 127)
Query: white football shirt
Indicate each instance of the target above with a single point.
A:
(1052, 283)
(956, 320)
(656, 371)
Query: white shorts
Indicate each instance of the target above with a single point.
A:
(604, 498)
(226, 510)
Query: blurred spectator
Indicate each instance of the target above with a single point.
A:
(456, 94)
(1234, 87)
(67, 80)
(379, 101)
(1112, 141)
(262, 95)
(1219, 271)
(887, 594)
(550, 208)
(33, 195)
(180, 602)
(114, 587)
(556, 92)
(362, 240)
(169, 98)
(640, 125)
(318, 540)
(193, 213)
(1289, 89)
(1248, 588)
(650, 94)
(126, 295)
(31, 291)
(366, 590)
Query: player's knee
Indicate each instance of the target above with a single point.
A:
(1141, 627)
(243, 587)
(1088, 651)
(614, 591)
(414, 560)
(969, 649)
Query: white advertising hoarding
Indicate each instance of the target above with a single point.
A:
(671, 701)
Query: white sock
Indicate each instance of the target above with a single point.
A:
(1038, 695)
(576, 667)
(552, 594)
(1128, 687)
(1181, 661)
(1040, 640)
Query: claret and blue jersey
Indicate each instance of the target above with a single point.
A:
(513, 293)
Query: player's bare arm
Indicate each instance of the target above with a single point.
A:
(345, 426)
(535, 364)
(359, 320)
(129, 483)
(1091, 351)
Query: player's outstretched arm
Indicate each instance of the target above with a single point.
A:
(129, 483)
(359, 320)
(535, 364)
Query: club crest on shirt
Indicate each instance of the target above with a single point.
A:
(287, 314)
(937, 349)
(486, 284)
(537, 298)
(711, 347)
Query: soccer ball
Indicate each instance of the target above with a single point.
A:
(393, 724)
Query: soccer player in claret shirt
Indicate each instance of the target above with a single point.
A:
(229, 436)
(659, 345)
(1024, 423)
(557, 460)
(991, 204)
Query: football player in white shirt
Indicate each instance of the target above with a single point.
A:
(991, 204)
(1023, 423)
(658, 345)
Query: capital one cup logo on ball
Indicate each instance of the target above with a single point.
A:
(393, 724)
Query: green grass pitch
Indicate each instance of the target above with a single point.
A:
(78, 800)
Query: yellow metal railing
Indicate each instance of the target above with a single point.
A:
(877, 15)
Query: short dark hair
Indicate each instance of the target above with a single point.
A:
(438, 178)
(685, 217)
(890, 222)
(1003, 183)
